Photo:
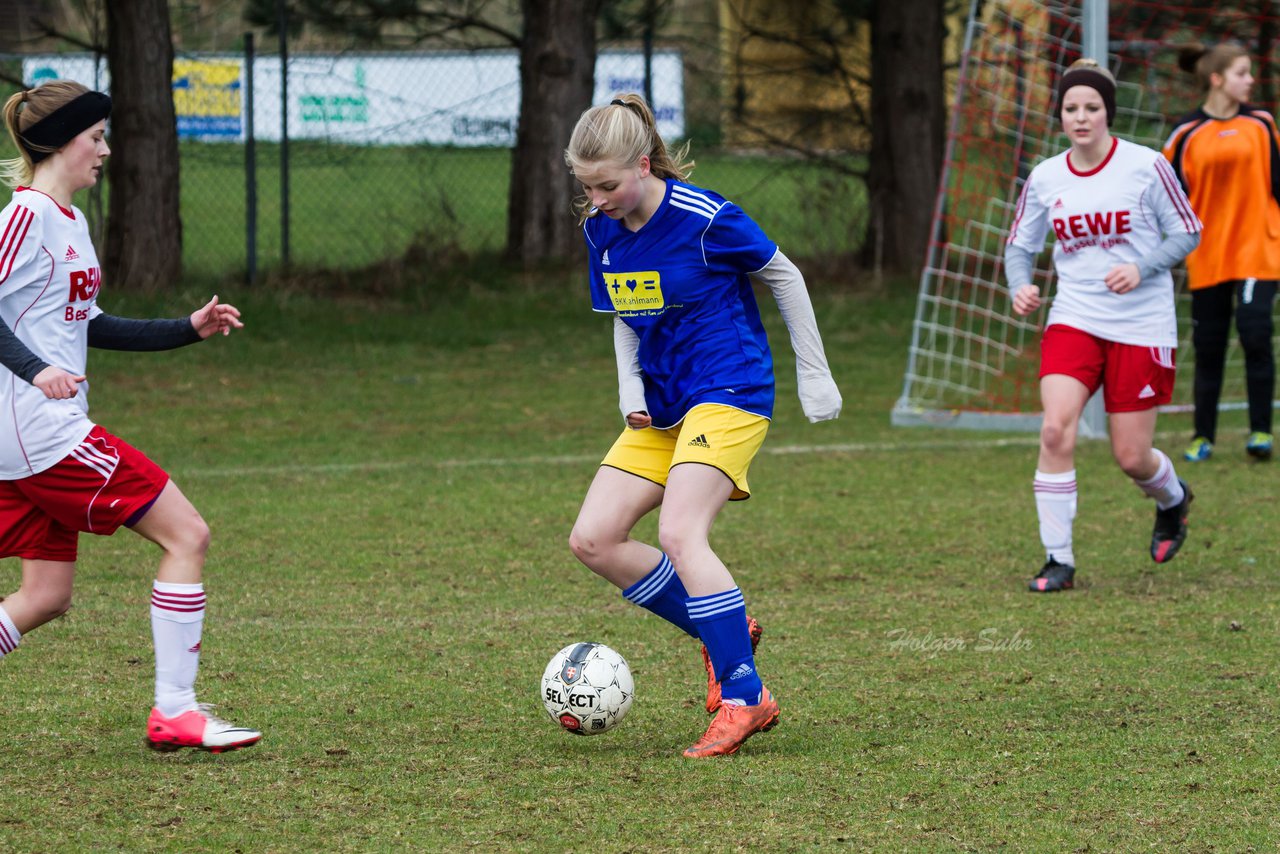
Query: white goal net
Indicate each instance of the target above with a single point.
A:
(972, 362)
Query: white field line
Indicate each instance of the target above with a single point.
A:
(580, 459)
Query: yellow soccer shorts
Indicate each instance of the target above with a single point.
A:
(718, 436)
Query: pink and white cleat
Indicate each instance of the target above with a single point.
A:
(199, 728)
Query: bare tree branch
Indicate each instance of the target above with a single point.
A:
(460, 24)
(47, 30)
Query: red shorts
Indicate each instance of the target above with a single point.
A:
(1133, 377)
(102, 484)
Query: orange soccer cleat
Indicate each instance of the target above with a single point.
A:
(713, 686)
(733, 725)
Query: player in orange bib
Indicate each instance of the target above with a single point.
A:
(1226, 155)
(60, 473)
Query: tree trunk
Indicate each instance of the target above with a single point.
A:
(908, 132)
(144, 230)
(557, 72)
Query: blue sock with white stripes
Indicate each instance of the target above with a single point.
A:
(662, 592)
(721, 620)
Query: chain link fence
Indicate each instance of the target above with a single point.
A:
(388, 151)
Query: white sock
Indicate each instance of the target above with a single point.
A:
(1164, 485)
(177, 619)
(1056, 505)
(9, 634)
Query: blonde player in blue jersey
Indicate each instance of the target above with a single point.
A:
(674, 264)
(60, 473)
(1120, 220)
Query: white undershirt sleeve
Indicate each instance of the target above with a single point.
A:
(626, 345)
(819, 396)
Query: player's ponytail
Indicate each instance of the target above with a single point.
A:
(661, 163)
(1205, 61)
(16, 171)
(623, 131)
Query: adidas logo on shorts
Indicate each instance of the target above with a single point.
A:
(700, 441)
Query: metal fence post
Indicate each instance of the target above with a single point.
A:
(283, 24)
(250, 169)
(1093, 44)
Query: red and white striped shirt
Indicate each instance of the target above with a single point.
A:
(49, 282)
(1117, 213)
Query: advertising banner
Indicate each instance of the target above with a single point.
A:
(450, 98)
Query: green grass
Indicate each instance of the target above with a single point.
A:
(390, 488)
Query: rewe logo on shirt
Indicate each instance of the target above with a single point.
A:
(85, 285)
(1092, 225)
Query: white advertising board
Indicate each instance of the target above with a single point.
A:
(462, 99)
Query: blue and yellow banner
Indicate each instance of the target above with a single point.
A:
(206, 97)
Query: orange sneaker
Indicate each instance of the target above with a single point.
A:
(713, 686)
(198, 728)
(733, 725)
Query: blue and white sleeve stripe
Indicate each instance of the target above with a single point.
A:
(708, 607)
(652, 584)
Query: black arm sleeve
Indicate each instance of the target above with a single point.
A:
(108, 332)
(17, 357)
(1275, 166)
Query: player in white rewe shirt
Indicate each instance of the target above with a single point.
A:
(1120, 220)
(60, 473)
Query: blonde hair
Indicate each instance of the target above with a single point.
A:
(623, 131)
(24, 109)
(1206, 61)
(1092, 65)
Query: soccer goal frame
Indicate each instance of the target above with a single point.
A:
(972, 364)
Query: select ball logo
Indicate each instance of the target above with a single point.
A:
(587, 688)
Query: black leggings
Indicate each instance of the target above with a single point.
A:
(1211, 310)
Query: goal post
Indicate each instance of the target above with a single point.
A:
(972, 363)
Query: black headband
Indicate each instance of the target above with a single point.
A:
(617, 102)
(65, 124)
(1094, 79)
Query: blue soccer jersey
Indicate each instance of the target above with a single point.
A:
(681, 282)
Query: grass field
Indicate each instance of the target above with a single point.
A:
(390, 488)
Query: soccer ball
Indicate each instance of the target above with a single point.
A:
(587, 688)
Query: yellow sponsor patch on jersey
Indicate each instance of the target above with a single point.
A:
(635, 292)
